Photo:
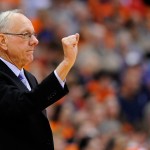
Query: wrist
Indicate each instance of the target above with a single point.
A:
(68, 63)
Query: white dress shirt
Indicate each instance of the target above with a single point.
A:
(17, 71)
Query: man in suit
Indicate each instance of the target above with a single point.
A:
(23, 126)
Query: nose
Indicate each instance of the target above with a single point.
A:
(34, 41)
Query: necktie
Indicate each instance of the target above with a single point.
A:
(22, 78)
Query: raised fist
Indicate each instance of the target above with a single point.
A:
(70, 47)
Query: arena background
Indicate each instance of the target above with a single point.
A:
(108, 107)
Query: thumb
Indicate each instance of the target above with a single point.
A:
(77, 36)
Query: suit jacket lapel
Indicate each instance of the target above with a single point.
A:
(32, 82)
(6, 72)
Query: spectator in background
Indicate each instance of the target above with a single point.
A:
(132, 96)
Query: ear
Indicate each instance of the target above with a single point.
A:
(3, 42)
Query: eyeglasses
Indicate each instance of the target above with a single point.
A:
(26, 35)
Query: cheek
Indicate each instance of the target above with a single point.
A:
(14, 53)
(15, 48)
(19, 53)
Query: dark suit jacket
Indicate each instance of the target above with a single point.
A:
(23, 126)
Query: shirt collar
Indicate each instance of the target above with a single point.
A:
(15, 70)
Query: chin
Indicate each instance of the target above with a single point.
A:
(29, 61)
(30, 58)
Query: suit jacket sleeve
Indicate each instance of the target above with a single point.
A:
(15, 103)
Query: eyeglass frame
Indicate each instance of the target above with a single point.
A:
(26, 35)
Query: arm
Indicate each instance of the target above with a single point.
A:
(70, 47)
(16, 102)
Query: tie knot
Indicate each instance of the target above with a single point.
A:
(21, 77)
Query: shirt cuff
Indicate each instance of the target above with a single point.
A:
(62, 83)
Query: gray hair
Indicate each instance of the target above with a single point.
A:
(4, 19)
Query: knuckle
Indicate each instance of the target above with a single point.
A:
(63, 39)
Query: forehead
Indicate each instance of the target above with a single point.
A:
(20, 23)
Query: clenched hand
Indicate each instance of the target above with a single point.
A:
(70, 47)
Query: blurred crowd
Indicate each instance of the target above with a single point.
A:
(108, 106)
